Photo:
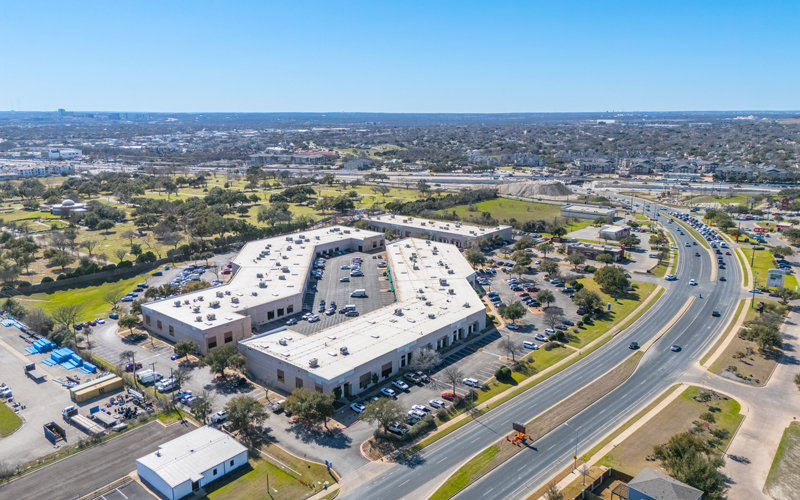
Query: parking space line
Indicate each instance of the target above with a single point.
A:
(121, 493)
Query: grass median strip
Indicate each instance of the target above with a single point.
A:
(540, 425)
(691, 231)
(745, 275)
(784, 475)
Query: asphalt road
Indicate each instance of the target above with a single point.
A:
(695, 331)
(94, 468)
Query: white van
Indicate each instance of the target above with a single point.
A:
(148, 377)
(359, 293)
(527, 344)
(723, 244)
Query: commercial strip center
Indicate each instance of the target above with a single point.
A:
(435, 305)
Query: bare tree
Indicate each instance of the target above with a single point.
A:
(112, 298)
(425, 360)
(89, 245)
(553, 316)
(120, 253)
(511, 348)
(182, 375)
(130, 235)
(452, 376)
(67, 315)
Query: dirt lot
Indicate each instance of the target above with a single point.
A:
(631, 455)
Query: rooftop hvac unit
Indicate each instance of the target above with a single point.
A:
(262, 285)
(199, 319)
(211, 316)
(227, 292)
(213, 303)
(196, 309)
(282, 342)
(450, 271)
(235, 300)
(431, 316)
(343, 350)
(260, 275)
(282, 277)
(177, 303)
(186, 301)
(312, 362)
(200, 298)
(220, 294)
(428, 303)
(255, 293)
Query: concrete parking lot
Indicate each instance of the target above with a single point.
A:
(43, 401)
(95, 467)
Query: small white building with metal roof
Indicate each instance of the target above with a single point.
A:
(191, 461)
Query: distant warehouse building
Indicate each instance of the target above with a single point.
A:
(610, 232)
(588, 211)
(306, 158)
(270, 282)
(436, 306)
(191, 461)
(591, 251)
(455, 233)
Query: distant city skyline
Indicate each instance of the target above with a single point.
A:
(410, 57)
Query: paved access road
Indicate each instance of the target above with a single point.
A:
(660, 367)
(94, 468)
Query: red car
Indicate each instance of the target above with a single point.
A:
(727, 253)
(531, 289)
(226, 271)
(448, 396)
(523, 294)
(93, 323)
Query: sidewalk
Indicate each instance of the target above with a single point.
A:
(770, 410)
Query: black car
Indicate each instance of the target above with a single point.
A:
(722, 278)
(715, 314)
(633, 345)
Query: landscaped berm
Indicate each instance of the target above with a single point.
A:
(9, 421)
(783, 481)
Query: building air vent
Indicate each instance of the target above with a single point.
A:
(312, 362)
(177, 303)
(343, 350)
(282, 342)
(211, 316)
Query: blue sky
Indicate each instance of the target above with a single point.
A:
(400, 56)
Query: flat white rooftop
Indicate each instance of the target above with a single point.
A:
(427, 225)
(428, 305)
(187, 457)
(270, 269)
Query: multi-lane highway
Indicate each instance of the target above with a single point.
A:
(695, 331)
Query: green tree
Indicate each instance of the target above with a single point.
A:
(384, 411)
(474, 256)
(611, 279)
(769, 339)
(245, 412)
(222, 358)
(588, 299)
(521, 257)
(548, 266)
(545, 297)
(686, 458)
(128, 321)
(781, 251)
(60, 258)
(113, 298)
(545, 248)
(513, 312)
(630, 241)
(605, 258)
(185, 348)
(576, 259)
(311, 407)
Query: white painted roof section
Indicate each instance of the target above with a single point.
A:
(283, 272)
(428, 225)
(373, 334)
(187, 457)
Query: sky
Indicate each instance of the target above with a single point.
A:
(400, 56)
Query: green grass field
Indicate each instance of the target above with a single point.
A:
(620, 310)
(505, 209)
(90, 298)
(284, 481)
(9, 421)
(784, 474)
(466, 474)
(739, 198)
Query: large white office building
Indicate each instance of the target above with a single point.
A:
(270, 280)
(435, 306)
(455, 233)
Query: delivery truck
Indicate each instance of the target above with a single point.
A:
(82, 422)
(148, 377)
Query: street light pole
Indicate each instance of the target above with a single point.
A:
(575, 465)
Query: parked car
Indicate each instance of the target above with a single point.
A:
(358, 407)
(437, 403)
(400, 385)
(471, 382)
(449, 396)
(219, 416)
(291, 322)
(388, 392)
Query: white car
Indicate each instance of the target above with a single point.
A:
(345, 266)
(416, 414)
(219, 416)
(421, 408)
(512, 326)
(388, 392)
(471, 382)
(400, 385)
(549, 331)
(437, 403)
(312, 318)
(692, 282)
(670, 277)
(754, 290)
(357, 407)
